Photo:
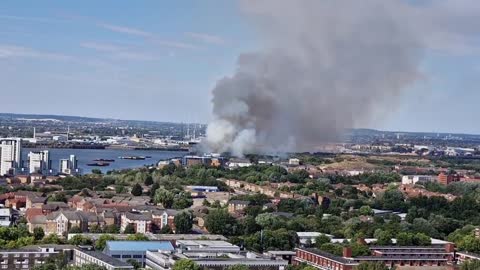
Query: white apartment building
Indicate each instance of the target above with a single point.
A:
(414, 179)
(10, 155)
(39, 162)
(69, 166)
(6, 217)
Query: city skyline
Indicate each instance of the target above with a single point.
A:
(160, 68)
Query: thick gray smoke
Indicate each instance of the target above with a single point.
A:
(327, 65)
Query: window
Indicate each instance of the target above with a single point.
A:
(137, 256)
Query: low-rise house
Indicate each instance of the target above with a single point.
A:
(61, 222)
(51, 207)
(237, 205)
(35, 202)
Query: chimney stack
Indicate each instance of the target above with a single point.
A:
(347, 252)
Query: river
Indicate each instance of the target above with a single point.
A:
(85, 156)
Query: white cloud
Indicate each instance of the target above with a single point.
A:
(126, 30)
(150, 36)
(13, 51)
(206, 38)
(32, 19)
(118, 52)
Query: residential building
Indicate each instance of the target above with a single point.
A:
(447, 178)
(39, 162)
(136, 250)
(81, 257)
(60, 222)
(237, 205)
(10, 156)
(69, 166)
(25, 258)
(420, 179)
(239, 163)
(6, 217)
(142, 223)
(294, 162)
(393, 256)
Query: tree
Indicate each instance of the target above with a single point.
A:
(137, 237)
(153, 189)
(335, 249)
(421, 239)
(129, 229)
(238, 267)
(372, 266)
(148, 180)
(360, 250)
(58, 197)
(112, 229)
(206, 203)
(75, 229)
(96, 171)
(393, 200)
(79, 239)
(183, 223)
(219, 221)
(166, 230)
(96, 229)
(137, 190)
(164, 197)
(366, 210)
(52, 239)
(404, 239)
(101, 242)
(185, 264)
(267, 220)
(384, 238)
(134, 263)
(470, 265)
(321, 239)
(119, 189)
(38, 233)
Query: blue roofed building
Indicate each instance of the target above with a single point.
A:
(135, 250)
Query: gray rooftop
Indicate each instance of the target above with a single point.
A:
(107, 259)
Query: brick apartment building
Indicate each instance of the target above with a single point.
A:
(446, 179)
(400, 256)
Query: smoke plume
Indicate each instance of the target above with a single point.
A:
(325, 66)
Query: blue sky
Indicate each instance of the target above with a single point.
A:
(158, 60)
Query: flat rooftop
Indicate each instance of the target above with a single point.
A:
(105, 258)
(138, 246)
(205, 243)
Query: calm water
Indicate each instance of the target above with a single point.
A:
(86, 156)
